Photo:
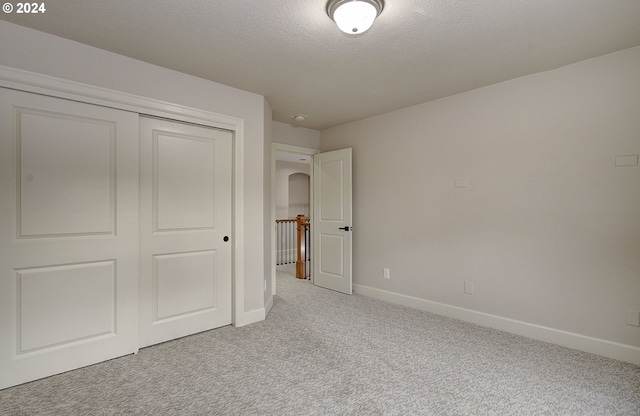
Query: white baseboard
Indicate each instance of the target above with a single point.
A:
(250, 317)
(622, 352)
(268, 306)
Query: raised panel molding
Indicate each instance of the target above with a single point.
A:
(332, 254)
(331, 174)
(183, 284)
(65, 175)
(64, 304)
(184, 182)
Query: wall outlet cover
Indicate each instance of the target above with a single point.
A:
(468, 287)
(633, 318)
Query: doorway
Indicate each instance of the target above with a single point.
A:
(331, 206)
(292, 160)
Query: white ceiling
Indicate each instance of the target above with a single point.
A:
(293, 54)
(293, 157)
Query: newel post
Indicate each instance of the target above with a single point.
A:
(303, 222)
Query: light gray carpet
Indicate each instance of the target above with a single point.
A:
(323, 353)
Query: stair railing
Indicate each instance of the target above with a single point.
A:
(293, 244)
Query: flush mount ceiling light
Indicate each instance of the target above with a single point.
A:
(354, 16)
(300, 117)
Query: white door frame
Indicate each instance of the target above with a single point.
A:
(56, 87)
(275, 147)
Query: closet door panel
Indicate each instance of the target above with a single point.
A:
(68, 235)
(185, 223)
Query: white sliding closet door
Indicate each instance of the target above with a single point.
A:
(68, 235)
(185, 219)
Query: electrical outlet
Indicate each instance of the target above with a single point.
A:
(386, 273)
(468, 287)
(633, 318)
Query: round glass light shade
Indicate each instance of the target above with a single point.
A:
(354, 17)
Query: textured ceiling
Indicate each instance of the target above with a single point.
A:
(293, 54)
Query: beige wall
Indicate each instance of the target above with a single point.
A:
(283, 171)
(548, 229)
(50, 55)
(295, 136)
(299, 194)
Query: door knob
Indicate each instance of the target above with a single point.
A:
(347, 228)
(226, 238)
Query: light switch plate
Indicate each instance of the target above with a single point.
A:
(627, 160)
(461, 183)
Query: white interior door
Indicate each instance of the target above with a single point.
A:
(185, 234)
(68, 235)
(332, 226)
